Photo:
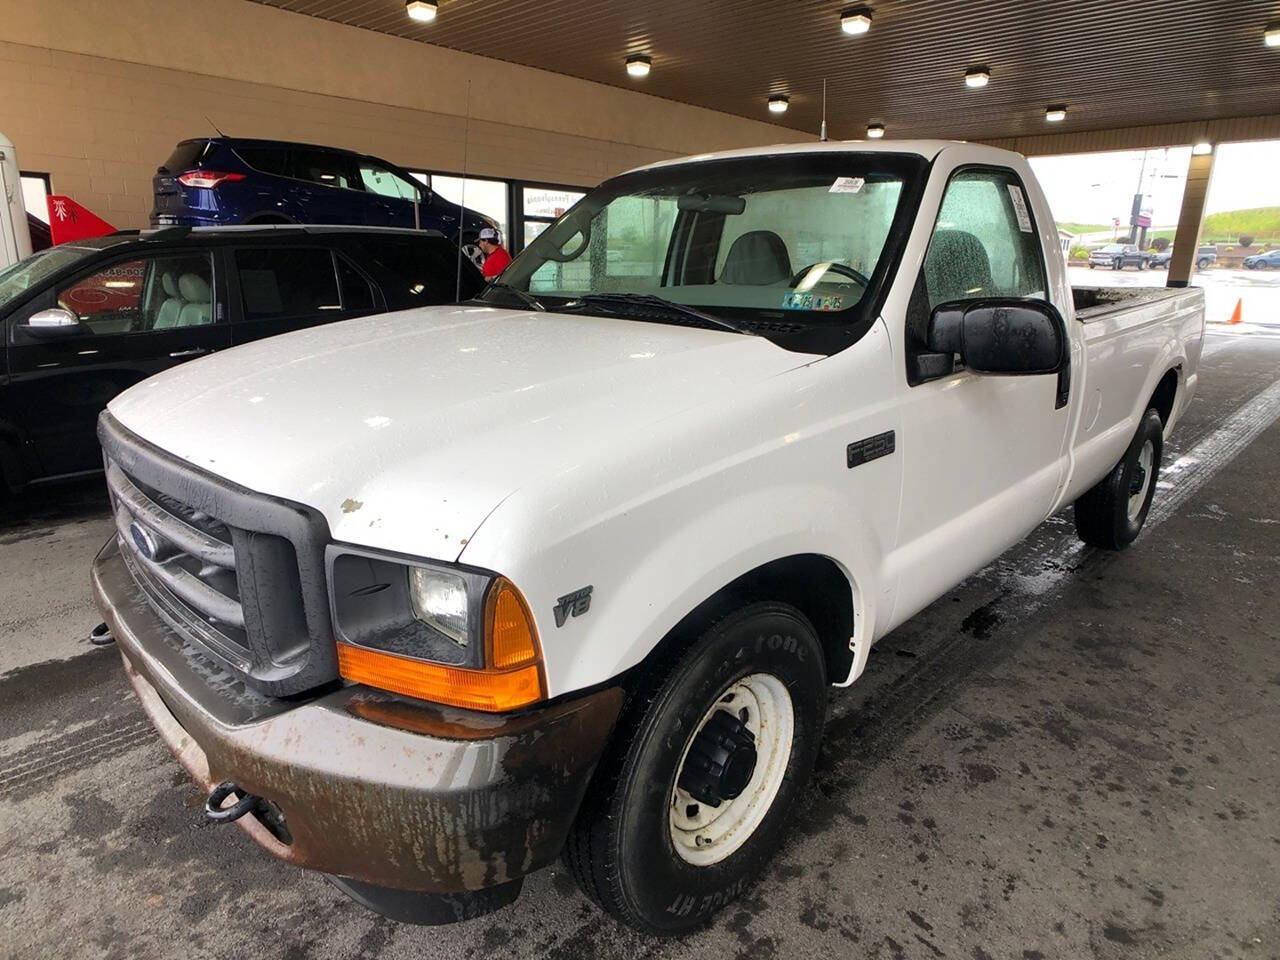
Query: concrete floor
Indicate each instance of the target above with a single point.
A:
(1073, 754)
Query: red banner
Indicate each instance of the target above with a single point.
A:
(69, 221)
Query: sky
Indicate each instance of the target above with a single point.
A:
(1095, 187)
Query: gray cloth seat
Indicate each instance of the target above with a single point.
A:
(198, 309)
(170, 310)
(757, 258)
(957, 268)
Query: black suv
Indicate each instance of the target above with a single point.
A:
(83, 321)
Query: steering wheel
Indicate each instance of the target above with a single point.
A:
(840, 268)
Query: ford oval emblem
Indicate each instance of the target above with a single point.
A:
(143, 540)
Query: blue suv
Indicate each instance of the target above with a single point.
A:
(213, 181)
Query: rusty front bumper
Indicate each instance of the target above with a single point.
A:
(373, 788)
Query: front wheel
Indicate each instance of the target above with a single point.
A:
(1111, 514)
(1117, 265)
(1202, 264)
(696, 790)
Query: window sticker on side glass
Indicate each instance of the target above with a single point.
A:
(847, 185)
(813, 301)
(1020, 207)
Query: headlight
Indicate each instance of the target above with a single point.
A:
(439, 600)
(449, 634)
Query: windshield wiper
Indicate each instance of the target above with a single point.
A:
(526, 298)
(653, 300)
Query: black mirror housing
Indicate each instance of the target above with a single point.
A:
(1012, 337)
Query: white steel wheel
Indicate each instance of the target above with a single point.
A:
(703, 832)
(1141, 480)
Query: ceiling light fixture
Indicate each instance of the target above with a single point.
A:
(875, 131)
(1055, 113)
(1271, 35)
(855, 22)
(424, 11)
(977, 77)
(638, 65)
(1202, 149)
(778, 104)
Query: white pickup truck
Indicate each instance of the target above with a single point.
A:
(431, 598)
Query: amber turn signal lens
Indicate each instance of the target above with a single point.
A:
(513, 641)
(511, 679)
(469, 689)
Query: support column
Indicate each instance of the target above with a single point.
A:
(1186, 239)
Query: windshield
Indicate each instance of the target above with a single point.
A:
(1113, 248)
(778, 243)
(35, 269)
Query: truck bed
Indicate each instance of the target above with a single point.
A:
(1095, 303)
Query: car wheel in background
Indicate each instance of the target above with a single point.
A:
(1202, 263)
(471, 249)
(1142, 264)
(1111, 514)
(1117, 264)
(697, 786)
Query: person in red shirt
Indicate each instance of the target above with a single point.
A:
(496, 257)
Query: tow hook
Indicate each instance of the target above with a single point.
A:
(214, 810)
(101, 635)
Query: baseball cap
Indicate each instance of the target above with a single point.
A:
(490, 234)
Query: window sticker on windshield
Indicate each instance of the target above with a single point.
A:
(812, 301)
(847, 185)
(1020, 207)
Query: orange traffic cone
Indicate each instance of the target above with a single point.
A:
(1235, 314)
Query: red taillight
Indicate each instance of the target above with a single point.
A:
(207, 178)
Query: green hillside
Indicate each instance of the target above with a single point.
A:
(1227, 226)
(1079, 228)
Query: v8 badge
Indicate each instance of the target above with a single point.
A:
(572, 605)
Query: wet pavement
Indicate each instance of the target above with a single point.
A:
(1073, 754)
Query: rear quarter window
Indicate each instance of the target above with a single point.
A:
(266, 160)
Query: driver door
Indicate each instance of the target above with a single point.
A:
(138, 316)
(983, 455)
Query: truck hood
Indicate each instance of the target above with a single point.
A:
(407, 429)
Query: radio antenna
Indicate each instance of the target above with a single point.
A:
(822, 132)
(215, 126)
(462, 201)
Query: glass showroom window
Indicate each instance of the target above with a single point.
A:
(483, 196)
(541, 206)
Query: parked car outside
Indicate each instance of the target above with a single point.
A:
(1205, 257)
(1263, 261)
(216, 181)
(1117, 256)
(84, 321)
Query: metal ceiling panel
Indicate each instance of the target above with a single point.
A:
(1114, 64)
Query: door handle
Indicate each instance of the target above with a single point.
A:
(193, 352)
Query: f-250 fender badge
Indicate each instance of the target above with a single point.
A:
(572, 605)
(872, 448)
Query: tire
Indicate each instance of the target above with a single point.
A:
(1117, 264)
(635, 847)
(1091, 266)
(1111, 514)
(1202, 264)
(1142, 264)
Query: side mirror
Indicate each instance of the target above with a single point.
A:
(1000, 336)
(51, 323)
